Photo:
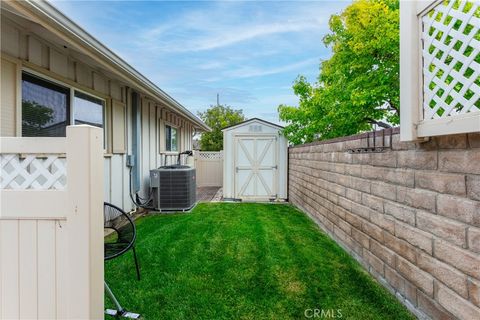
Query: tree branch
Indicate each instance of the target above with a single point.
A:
(378, 123)
(394, 107)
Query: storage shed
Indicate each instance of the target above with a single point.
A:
(255, 161)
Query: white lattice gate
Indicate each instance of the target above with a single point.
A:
(51, 226)
(209, 165)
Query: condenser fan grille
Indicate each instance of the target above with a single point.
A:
(174, 187)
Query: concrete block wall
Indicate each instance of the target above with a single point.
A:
(410, 215)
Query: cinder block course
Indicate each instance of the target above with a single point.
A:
(450, 230)
(426, 160)
(373, 231)
(385, 254)
(383, 221)
(473, 236)
(384, 159)
(459, 258)
(361, 238)
(395, 279)
(458, 306)
(374, 262)
(462, 162)
(400, 212)
(451, 277)
(441, 182)
(474, 291)
(460, 209)
(473, 187)
(414, 236)
(453, 141)
(419, 278)
(432, 308)
(401, 247)
(409, 215)
(417, 198)
(474, 140)
(384, 190)
(372, 202)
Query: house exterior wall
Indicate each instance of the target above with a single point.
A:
(9, 79)
(410, 215)
(23, 50)
(229, 157)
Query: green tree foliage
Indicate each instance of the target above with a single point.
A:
(359, 85)
(34, 117)
(217, 118)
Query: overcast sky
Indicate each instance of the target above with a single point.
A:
(249, 52)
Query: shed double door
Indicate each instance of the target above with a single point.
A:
(256, 164)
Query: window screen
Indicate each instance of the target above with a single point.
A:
(171, 142)
(45, 108)
(88, 110)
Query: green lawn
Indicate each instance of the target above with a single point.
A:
(244, 261)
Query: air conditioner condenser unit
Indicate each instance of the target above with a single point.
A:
(173, 187)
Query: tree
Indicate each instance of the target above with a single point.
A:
(34, 117)
(217, 118)
(359, 85)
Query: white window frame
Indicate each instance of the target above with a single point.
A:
(177, 128)
(104, 111)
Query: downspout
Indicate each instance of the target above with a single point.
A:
(136, 142)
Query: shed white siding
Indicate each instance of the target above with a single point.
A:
(255, 161)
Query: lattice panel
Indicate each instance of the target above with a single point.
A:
(32, 171)
(451, 59)
(213, 155)
(172, 159)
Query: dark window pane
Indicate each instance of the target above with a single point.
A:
(45, 111)
(171, 139)
(88, 110)
(168, 137)
(174, 140)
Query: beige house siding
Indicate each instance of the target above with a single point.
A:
(23, 50)
(118, 127)
(9, 97)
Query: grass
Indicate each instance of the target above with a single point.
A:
(244, 261)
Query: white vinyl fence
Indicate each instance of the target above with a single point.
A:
(51, 226)
(439, 67)
(209, 166)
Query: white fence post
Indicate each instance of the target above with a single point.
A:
(410, 63)
(51, 226)
(85, 232)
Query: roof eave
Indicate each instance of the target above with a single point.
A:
(71, 28)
